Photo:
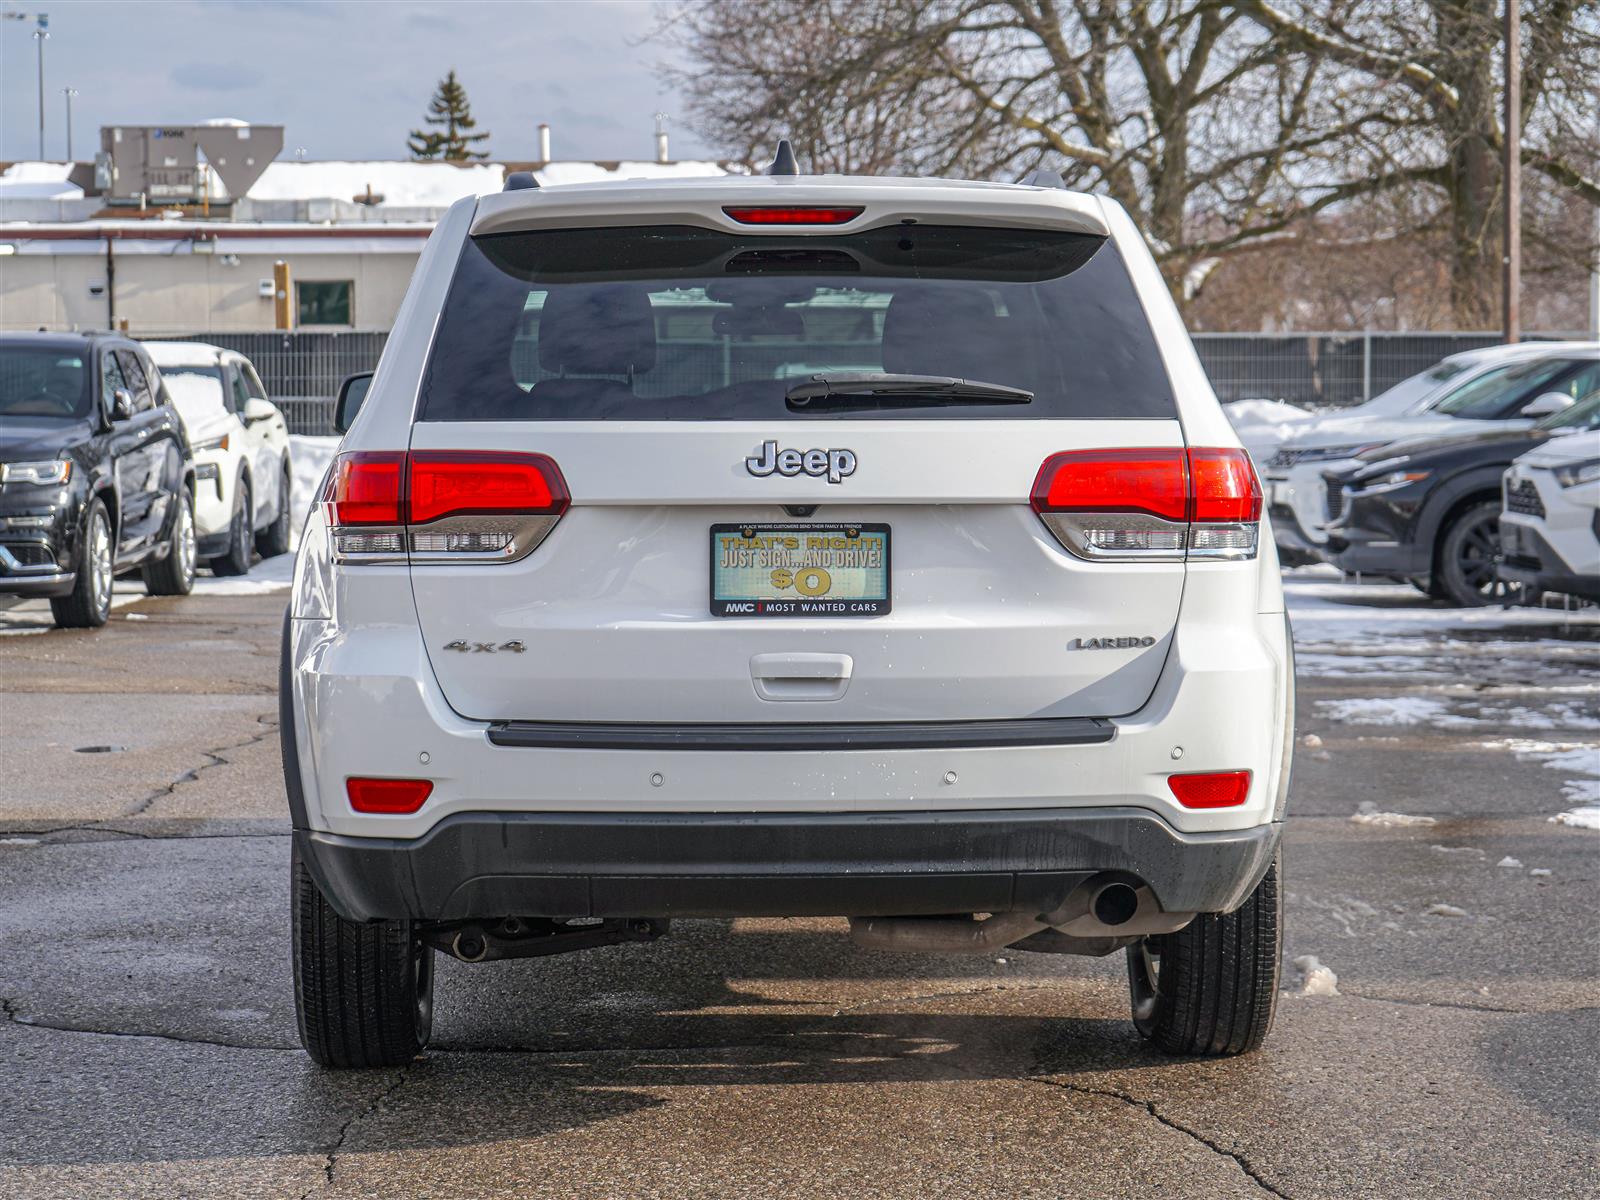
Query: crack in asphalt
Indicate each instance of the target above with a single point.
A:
(134, 834)
(1148, 1106)
(331, 1164)
(215, 754)
(8, 1009)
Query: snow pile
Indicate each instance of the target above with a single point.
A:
(1540, 872)
(310, 457)
(1584, 817)
(1265, 412)
(1317, 980)
(1444, 910)
(1514, 864)
(1367, 814)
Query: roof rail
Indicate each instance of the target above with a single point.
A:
(784, 161)
(1040, 177)
(519, 181)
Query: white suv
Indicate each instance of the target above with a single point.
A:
(241, 453)
(608, 617)
(1550, 527)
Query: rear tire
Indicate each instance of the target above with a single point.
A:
(274, 539)
(174, 574)
(1212, 987)
(236, 559)
(363, 994)
(88, 605)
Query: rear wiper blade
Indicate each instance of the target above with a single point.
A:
(844, 389)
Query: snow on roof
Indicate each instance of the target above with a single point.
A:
(401, 184)
(555, 174)
(38, 181)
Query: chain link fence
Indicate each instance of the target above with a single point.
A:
(302, 371)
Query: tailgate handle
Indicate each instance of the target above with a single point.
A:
(800, 676)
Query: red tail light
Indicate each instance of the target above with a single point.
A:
(793, 215)
(1147, 481)
(387, 795)
(444, 483)
(442, 505)
(1211, 789)
(367, 488)
(1151, 503)
(1223, 486)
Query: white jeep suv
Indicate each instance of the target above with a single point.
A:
(243, 477)
(609, 614)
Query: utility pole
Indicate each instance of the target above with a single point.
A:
(41, 35)
(1511, 285)
(69, 93)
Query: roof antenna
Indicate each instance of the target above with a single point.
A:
(1042, 177)
(784, 162)
(517, 181)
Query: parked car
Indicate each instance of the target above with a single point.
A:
(1507, 386)
(1550, 529)
(241, 451)
(1428, 509)
(95, 474)
(597, 625)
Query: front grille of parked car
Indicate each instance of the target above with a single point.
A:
(1522, 497)
(1335, 501)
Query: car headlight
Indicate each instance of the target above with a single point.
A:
(55, 471)
(1573, 474)
(1388, 482)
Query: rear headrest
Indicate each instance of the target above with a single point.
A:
(597, 329)
(937, 331)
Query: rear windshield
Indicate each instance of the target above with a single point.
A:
(682, 323)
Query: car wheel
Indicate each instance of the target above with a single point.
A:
(236, 560)
(363, 992)
(274, 539)
(88, 605)
(1212, 987)
(1468, 572)
(174, 574)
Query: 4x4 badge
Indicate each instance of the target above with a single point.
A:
(835, 464)
(484, 647)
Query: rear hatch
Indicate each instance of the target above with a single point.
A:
(769, 520)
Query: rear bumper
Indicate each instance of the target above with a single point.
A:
(484, 865)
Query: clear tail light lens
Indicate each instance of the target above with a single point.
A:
(1151, 504)
(442, 506)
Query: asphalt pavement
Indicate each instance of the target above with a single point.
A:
(147, 1046)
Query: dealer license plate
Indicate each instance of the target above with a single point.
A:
(799, 570)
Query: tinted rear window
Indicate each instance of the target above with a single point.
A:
(682, 323)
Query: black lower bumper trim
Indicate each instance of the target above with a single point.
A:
(475, 865)
(888, 735)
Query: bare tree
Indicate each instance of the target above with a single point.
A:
(1437, 67)
(1193, 117)
(1222, 125)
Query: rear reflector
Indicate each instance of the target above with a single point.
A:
(794, 215)
(446, 483)
(387, 795)
(1212, 789)
(1162, 503)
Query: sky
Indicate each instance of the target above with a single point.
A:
(347, 78)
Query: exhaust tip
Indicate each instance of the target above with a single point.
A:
(1115, 904)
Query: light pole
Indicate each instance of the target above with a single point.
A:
(69, 93)
(41, 35)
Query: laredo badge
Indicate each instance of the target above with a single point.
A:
(1110, 643)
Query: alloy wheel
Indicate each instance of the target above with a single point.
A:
(100, 574)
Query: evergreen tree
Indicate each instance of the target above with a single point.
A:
(452, 136)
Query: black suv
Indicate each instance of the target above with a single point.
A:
(96, 477)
